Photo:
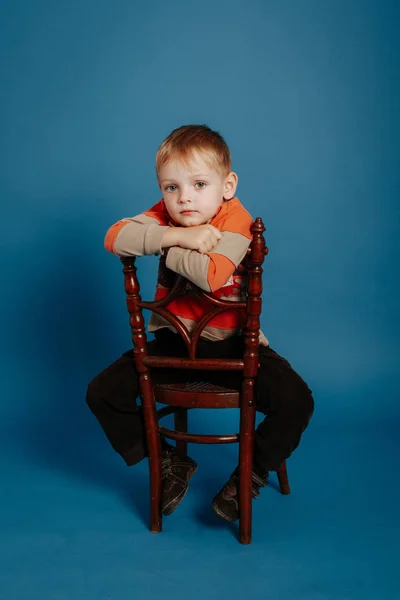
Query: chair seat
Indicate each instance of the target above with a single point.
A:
(200, 394)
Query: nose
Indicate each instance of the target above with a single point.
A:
(185, 196)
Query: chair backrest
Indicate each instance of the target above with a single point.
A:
(253, 264)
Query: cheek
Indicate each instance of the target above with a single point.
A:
(170, 205)
(214, 204)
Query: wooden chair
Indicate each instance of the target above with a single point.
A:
(181, 397)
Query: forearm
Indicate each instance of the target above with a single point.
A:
(135, 237)
(170, 237)
(209, 271)
(191, 264)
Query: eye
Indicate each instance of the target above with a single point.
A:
(170, 188)
(201, 185)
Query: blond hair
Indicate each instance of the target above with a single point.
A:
(183, 142)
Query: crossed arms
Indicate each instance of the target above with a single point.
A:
(207, 255)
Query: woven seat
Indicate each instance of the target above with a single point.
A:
(196, 394)
(202, 387)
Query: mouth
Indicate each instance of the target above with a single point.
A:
(187, 212)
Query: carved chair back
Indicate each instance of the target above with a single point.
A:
(251, 307)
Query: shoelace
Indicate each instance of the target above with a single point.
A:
(166, 463)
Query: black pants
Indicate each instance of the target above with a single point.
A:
(280, 392)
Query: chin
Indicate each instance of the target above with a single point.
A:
(191, 222)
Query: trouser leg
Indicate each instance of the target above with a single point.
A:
(111, 396)
(281, 394)
(287, 402)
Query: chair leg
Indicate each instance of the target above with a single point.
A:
(246, 443)
(154, 453)
(283, 479)
(181, 424)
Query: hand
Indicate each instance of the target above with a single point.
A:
(202, 238)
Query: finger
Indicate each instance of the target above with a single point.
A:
(216, 231)
(213, 241)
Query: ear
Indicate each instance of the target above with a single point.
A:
(230, 186)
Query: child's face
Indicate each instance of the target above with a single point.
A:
(193, 192)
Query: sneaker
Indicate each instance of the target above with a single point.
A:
(176, 472)
(226, 502)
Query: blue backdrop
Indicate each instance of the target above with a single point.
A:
(306, 95)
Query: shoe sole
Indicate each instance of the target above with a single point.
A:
(171, 507)
(221, 514)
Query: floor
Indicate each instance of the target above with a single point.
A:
(75, 520)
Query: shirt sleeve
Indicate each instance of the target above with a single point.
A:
(138, 236)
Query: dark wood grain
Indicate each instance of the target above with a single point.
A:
(180, 397)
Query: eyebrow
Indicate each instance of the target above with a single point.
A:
(197, 175)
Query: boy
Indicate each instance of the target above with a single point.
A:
(202, 232)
